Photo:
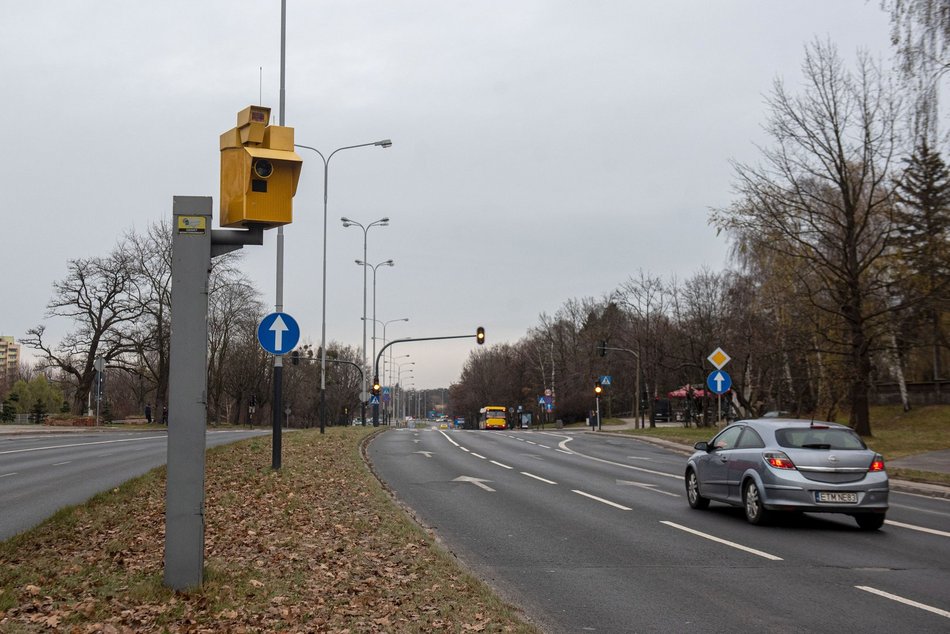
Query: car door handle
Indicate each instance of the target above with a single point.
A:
(723, 458)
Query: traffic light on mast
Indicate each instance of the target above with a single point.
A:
(480, 335)
(376, 386)
(598, 388)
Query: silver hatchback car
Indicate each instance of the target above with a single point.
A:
(779, 464)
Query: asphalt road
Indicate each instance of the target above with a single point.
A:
(40, 474)
(592, 533)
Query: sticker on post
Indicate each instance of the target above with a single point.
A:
(194, 225)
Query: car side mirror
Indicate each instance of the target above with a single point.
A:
(702, 445)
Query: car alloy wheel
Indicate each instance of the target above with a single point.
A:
(754, 511)
(693, 496)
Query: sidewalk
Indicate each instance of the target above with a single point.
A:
(935, 461)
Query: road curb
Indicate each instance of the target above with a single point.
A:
(902, 486)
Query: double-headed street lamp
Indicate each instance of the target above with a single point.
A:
(364, 264)
(374, 267)
(382, 222)
(385, 143)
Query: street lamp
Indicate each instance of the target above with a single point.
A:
(399, 376)
(374, 267)
(385, 143)
(382, 222)
(364, 264)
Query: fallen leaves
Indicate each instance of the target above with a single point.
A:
(310, 548)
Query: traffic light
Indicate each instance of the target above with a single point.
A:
(295, 357)
(602, 348)
(259, 172)
(598, 388)
(376, 386)
(480, 335)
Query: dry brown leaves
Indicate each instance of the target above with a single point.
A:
(315, 547)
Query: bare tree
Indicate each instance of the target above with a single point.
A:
(95, 296)
(822, 197)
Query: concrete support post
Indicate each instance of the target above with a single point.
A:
(187, 411)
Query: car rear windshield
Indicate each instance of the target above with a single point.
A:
(818, 438)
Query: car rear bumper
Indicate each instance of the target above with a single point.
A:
(788, 498)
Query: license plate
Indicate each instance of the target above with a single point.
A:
(836, 497)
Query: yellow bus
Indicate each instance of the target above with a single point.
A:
(492, 417)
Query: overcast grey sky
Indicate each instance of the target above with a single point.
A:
(542, 150)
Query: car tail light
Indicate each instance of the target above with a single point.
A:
(877, 464)
(778, 460)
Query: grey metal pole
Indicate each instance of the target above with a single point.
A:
(365, 234)
(279, 303)
(323, 310)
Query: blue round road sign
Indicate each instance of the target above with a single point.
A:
(719, 382)
(278, 333)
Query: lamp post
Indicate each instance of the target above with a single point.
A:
(390, 351)
(363, 263)
(385, 143)
(382, 222)
(397, 389)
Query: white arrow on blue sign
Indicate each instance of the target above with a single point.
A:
(278, 333)
(719, 382)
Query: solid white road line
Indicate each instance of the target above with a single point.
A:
(504, 466)
(531, 475)
(7, 475)
(894, 597)
(83, 444)
(57, 464)
(565, 451)
(932, 531)
(723, 541)
(607, 502)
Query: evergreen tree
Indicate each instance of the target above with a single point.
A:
(923, 237)
(38, 411)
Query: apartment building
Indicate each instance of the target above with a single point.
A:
(9, 360)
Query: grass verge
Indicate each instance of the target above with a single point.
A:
(315, 547)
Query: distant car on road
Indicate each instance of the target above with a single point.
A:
(770, 465)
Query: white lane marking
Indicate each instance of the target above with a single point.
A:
(638, 458)
(918, 495)
(648, 487)
(478, 455)
(450, 440)
(723, 541)
(531, 475)
(504, 466)
(480, 483)
(427, 454)
(899, 599)
(619, 464)
(531, 442)
(918, 509)
(607, 502)
(7, 475)
(58, 464)
(932, 531)
(84, 444)
(565, 451)
(464, 449)
(543, 446)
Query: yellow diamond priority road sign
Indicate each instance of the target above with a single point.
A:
(719, 358)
